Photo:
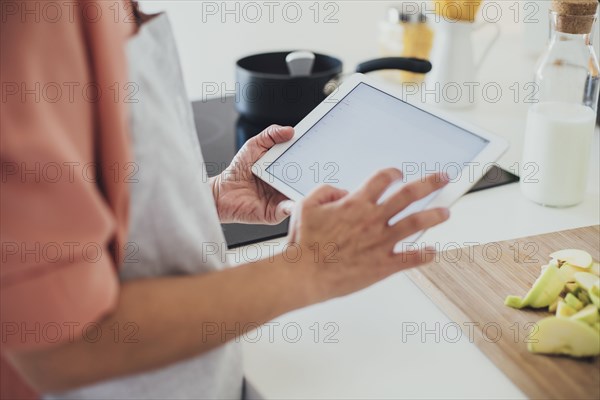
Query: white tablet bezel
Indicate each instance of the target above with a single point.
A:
(445, 198)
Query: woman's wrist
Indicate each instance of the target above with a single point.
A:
(297, 276)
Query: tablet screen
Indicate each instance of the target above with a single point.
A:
(369, 130)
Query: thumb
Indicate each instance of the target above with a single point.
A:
(273, 135)
(285, 208)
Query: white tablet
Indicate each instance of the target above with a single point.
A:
(364, 127)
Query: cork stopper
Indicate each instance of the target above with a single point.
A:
(575, 16)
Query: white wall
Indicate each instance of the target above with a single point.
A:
(211, 40)
(209, 49)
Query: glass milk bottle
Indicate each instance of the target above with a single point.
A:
(560, 124)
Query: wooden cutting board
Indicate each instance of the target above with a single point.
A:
(470, 285)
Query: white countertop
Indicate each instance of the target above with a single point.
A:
(369, 358)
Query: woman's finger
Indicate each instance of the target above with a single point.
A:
(417, 222)
(324, 194)
(378, 183)
(412, 192)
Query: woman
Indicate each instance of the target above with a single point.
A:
(107, 218)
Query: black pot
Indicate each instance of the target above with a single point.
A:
(267, 93)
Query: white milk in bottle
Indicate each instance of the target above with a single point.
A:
(556, 153)
(560, 124)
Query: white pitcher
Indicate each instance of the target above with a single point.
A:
(454, 74)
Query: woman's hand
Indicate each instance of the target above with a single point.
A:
(346, 240)
(242, 197)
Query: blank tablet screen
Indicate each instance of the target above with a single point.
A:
(369, 130)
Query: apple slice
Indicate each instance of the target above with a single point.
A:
(568, 271)
(587, 280)
(514, 301)
(564, 336)
(544, 291)
(588, 314)
(584, 297)
(573, 302)
(546, 288)
(574, 257)
(572, 287)
(595, 268)
(552, 307)
(594, 294)
(563, 310)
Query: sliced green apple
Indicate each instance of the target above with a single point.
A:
(572, 287)
(587, 280)
(552, 307)
(544, 291)
(594, 294)
(564, 336)
(595, 268)
(573, 302)
(574, 257)
(514, 301)
(546, 288)
(569, 271)
(588, 314)
(584, 297)
(563, 310)
(596, 326)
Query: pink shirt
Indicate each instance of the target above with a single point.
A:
(64, 152)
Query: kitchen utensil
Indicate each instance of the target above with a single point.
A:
(268, 93)
(470, 285)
